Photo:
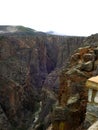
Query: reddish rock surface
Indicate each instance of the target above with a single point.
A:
(72, 92)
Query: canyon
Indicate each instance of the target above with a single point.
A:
(40, 74)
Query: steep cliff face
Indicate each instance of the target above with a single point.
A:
(30, 65)
(70, 112)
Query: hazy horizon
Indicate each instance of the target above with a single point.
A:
(69, 17)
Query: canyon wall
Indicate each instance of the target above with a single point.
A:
(30, 66)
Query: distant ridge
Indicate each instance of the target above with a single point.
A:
(14, 29)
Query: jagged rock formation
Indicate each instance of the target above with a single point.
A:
(69, 114)
(30, 64)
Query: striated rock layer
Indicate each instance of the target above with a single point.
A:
(30, 65)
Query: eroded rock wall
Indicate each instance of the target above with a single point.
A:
(71, 110)
(26, 63)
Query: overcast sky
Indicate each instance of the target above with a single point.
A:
(70, 17)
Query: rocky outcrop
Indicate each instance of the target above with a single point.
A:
(70, 112)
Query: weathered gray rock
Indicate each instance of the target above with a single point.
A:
(88, 66)
(93, 109)
(73, 99)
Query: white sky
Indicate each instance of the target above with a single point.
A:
(70, 17)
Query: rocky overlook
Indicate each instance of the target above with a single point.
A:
(72, 111)
(31, 64)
